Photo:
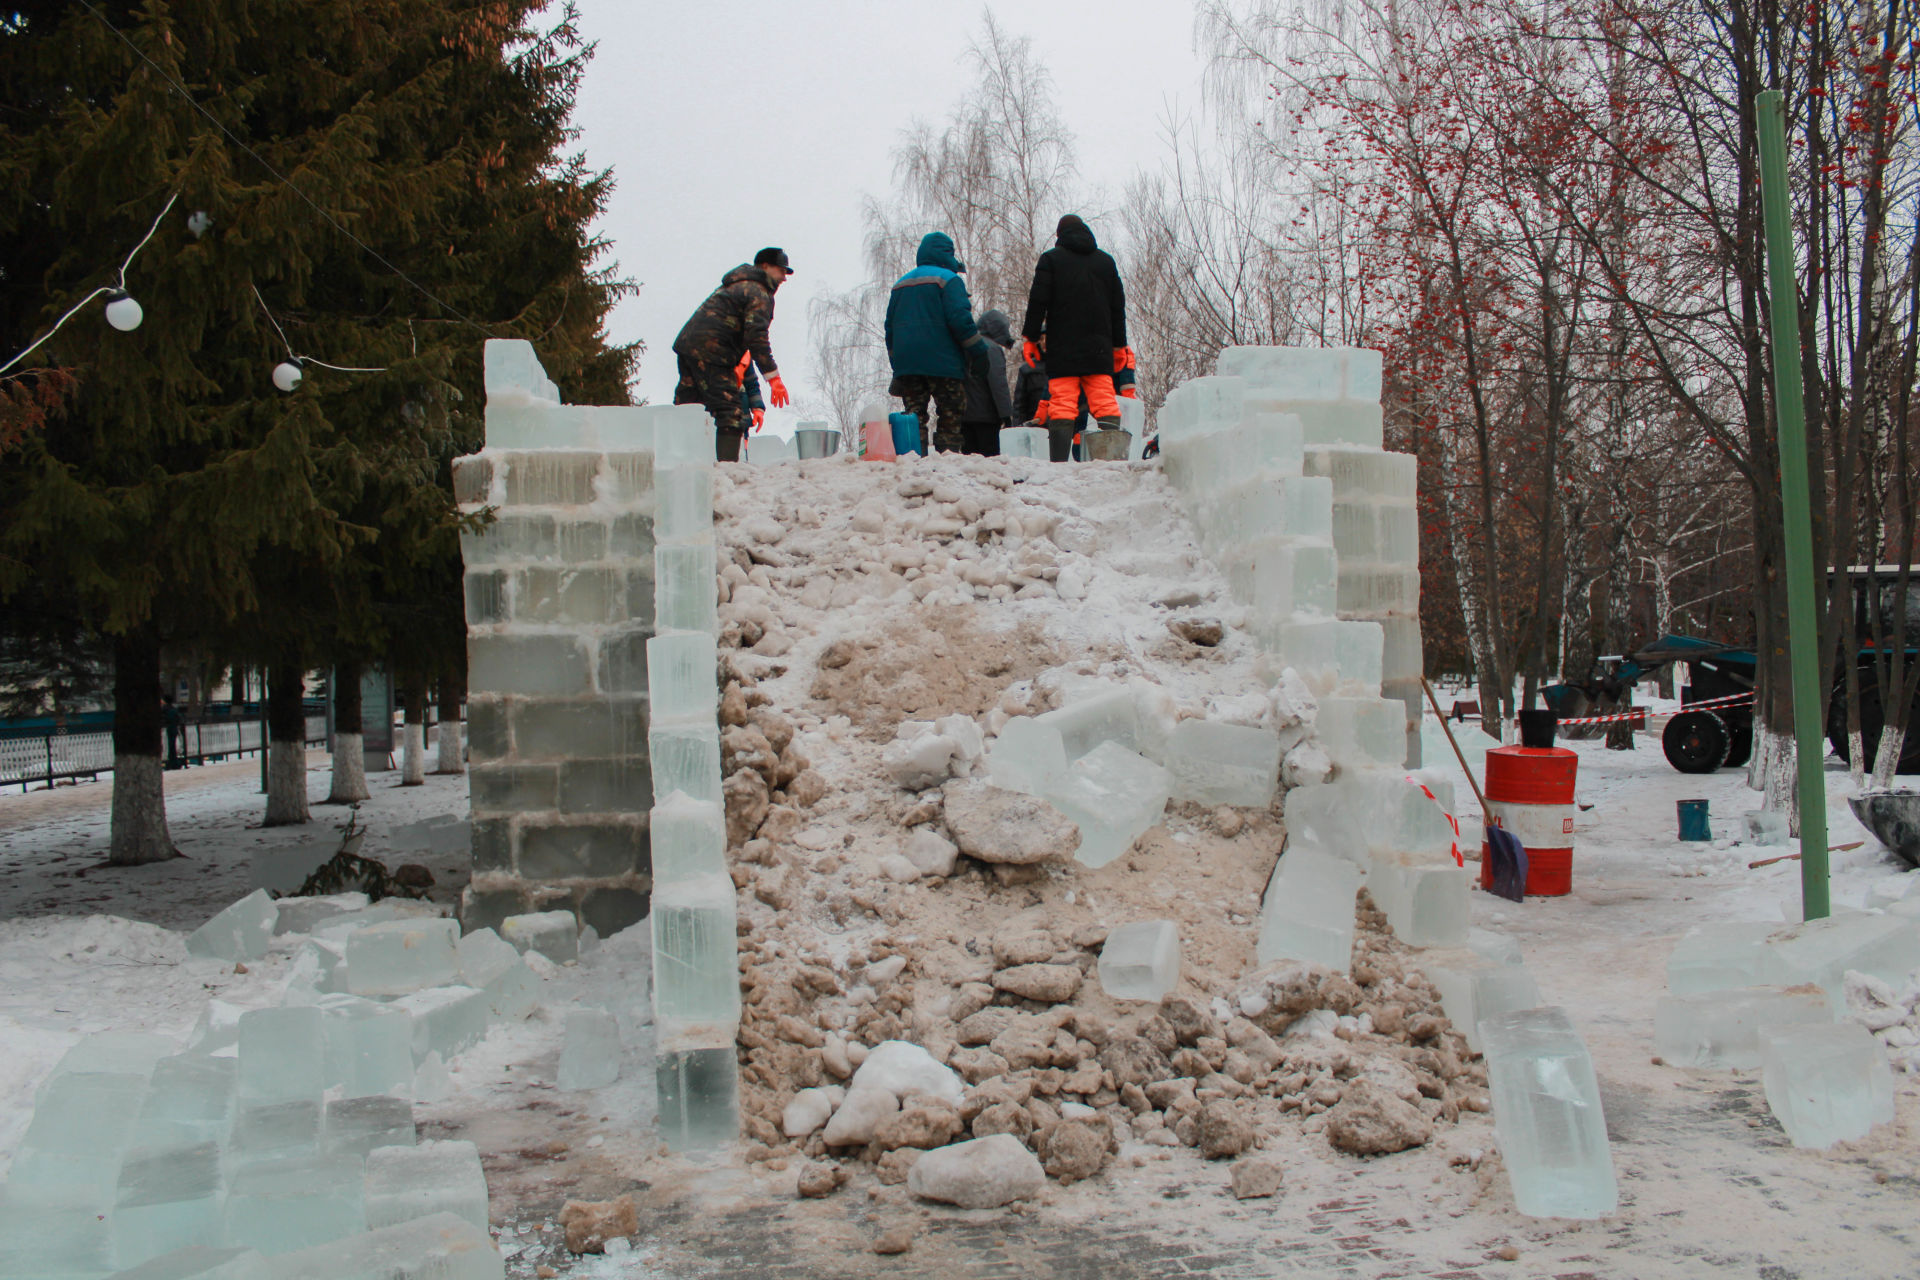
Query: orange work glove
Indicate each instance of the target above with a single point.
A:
(759, 419)
(1030, 352)
(780, 397)
(1044, 412)
(1122, 358)
(1129, 392)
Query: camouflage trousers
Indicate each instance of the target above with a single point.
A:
(949, 397)
(718, 388)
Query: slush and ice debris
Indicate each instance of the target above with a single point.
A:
(590, 1053)
(1141, 961)
(1308, 911)
(1723, 1028)
(407, 1183)
(1113, 795)
(243, 931)
(554, 934)
(1826, 1084)
(402, 955)
(1223, 763)
(1546, 1111)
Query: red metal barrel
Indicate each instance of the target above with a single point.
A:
(1530, 791)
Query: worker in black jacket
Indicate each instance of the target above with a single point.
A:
(1077, 323)
(989, 399)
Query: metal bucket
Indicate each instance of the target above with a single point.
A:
(816, 442)
(1107, 445)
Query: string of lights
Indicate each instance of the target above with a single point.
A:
(289, 372)
(123, 313)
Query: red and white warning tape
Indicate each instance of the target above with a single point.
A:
(1458, 861)
(1640, 713)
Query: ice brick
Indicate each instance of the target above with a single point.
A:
(356, 1126)
(766, 450)
(1821, 951)
(1328, 652)
(295, 1204)
(1141, 961)
(1091, 718)
(1024, 442)
(407, 1183)
(401, 956)
(1722, 1028)
(168, 1198)
(1028, 757)
(1826, 1084)
(680, 676)
(1473, 988)
(302, 915)
(1363, 474)
(1546, 1111)
(69, 1156)
(1213, 763)
(53, 1244)
(689, 838)
(683, 498)
(369, 1046)
(243, 931)
(1364, 732)
(442, 1247)
(697, 1088)
(554, 934)
(1113, 794)
(514, 376)
(190, 1099)
(446, 1020)
(275, 1131)
(1716, 957)
(1437, 913)
(685, 587)
(493, 964)
(319, 968)
(1490, 944)
(686, 758)
(115, 1053)
(199, 1262)
(696, 977)
(282, 1054)
(682, 435)
(1308, 910)
(590, 1053)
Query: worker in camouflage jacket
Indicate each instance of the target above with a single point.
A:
(730, 324)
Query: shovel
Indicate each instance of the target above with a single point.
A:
(1507, 857)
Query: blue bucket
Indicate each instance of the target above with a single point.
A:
(906, 432)
(1693, 820)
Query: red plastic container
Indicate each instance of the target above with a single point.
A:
(1534, 788)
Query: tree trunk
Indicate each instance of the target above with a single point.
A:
(450, 745)
(349, 758)
(286, 746)
(413, 738)
(139, 823)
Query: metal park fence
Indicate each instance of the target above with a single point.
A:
(50, 755)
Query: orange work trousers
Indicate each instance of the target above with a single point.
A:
(1063, 397)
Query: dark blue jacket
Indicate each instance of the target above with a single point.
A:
(930, 329)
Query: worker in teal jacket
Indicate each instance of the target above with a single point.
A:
(932, 340)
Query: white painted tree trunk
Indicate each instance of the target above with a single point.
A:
(139, 822)
(1773, 773)
(1893, 740)
(287, 784)
(413, 755)
(1857, 758)
(449, 761)
(349, 769)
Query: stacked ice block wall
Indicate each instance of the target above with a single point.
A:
(696, 977)
(560, 604)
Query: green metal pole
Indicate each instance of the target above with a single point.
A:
(1809, 700)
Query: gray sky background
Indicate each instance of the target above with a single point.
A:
(766, 122)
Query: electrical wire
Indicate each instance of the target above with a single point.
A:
(331, 221)
(121, 286)
(294, 356)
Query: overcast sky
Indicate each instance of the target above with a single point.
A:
(734, 126)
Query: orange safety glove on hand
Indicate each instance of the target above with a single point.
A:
(1029, 351)
(1122, 359)
(780, 397)
(1044, 412)
(759, 419)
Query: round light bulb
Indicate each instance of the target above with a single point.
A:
(123, 313)
(287, 375)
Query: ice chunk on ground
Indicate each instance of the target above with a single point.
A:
(904, 1069)
(1141, 960)
(923, 761)
(1826, 1084)
(369, 1046)
(1473, 989)
(282, 1054)
(493, 964)
(1766, 826)
(1821, 951)
(406, 1183)
(199, 1262)
(1028, 757)
(401, 956)
(1546, 1111)
(446, 1020)
(69, 1156)
(1722, 1028)
(1716, 957)
(1113, 794)
(1490, 944)
(355, 1126)
(554, 934)
(243, 931)
(303, 915)
(1099, 713)
(442, 1247)
(1308, 910)
(1223, 763)
(295, 1204)
(590, 1054)
(1437, 912)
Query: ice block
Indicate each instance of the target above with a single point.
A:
(1546, 1111)
(1722, 1028)
(190, 1099)
(1826, 1084)
(355, 1126)
(243, 931)
(275, 1131)
(696, 977)
(169, 1198)
(295, 1204)
(1716, 957)
(1364, 732)
(1473, 989)
(69, 1156)
(198, 1262)
(53, 1244)
(680, 676)
(1091, 719)
(442, 1247)
(406, 1183)
(590, 1053)
(446, 1020)
(1491, 945)
(302, 915)
(282, 1054)
(116, 1053)
(1141, 961)
(686, 758)
(493, 964)
(369, 1046)
(401, 956)
(1821, 952)
(1028, 757)
(554, 934)
(686, 591)
(689, 838)
(683, 503)
(1437, 913)
(1113, 794)
(697, 1085)
(1308, 911)
(1234, 764)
